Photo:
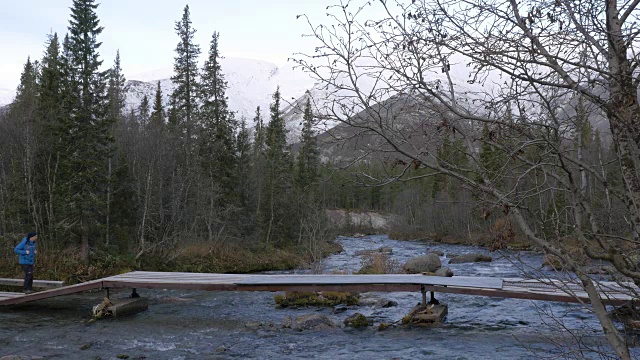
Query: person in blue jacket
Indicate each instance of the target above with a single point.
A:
(27, 251)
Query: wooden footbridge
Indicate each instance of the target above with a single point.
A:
(540, 289)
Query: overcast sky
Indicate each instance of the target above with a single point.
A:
(144, 32)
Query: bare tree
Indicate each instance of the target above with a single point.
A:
(401, 76)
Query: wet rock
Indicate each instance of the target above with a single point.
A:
(444, 272)
(383, 303)
(222, 348)
(377, 302)
(253, 325)
(357, 320)
(437, 252)
(287, 322)
(420, 264)
(312, 322)
(339, 309)
(470, 258)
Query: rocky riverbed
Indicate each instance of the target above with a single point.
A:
(244, 325)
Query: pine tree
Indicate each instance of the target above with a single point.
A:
(157, 116)
(186, 70)
(87, 128)
(308, 156)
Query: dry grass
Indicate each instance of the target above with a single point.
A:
(326, 298)
(66, 265)
(379, 263)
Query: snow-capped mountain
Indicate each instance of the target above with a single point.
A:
(6, 96)
(251, 83)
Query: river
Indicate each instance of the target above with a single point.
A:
(247, 325)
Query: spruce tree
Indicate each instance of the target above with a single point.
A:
(157, 116)
(185, 78)
(50, 115)
(143, 112)
(259, 136)
(87, 131)
(50, 101)
(218, 123)
(117, 91)
(244, 160)
(308, 156)
(277, 176)
(22, 113)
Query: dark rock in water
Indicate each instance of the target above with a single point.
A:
(444, 272)
(287, 322)
(377, 303)
(437, 252)
(420, 264)
(469, 258)
(357, 320)
(339, 309)
(383, 303)
(253, 324)
(312, 322)
(222, 348)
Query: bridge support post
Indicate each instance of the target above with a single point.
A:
(134, 294)
(424, 295)
(107, 293)
(433, 300)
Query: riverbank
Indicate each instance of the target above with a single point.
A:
(475, 238)
(65, 265)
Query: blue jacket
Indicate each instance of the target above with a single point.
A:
(21, 249)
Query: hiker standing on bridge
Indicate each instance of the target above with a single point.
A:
(27, 251)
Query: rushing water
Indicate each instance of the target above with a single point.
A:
(241, 325)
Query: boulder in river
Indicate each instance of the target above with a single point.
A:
(437, 252)
(470, 258)
(376, 302)
(426, 263)
(444, 272)
(357, 320)
(312, 322)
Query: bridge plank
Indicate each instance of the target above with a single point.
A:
(36, 283)
(550, 290)
(409, 279)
